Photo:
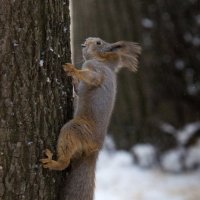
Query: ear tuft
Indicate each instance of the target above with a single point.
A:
(126, 53)
(129, 55)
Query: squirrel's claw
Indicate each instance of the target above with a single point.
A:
(44, 160)
(49, 155)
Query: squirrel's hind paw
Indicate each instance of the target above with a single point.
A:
(52, 164)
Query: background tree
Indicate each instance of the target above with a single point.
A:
(35, 95)
(167, 87)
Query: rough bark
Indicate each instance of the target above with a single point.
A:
(166, 88)
(35, 95)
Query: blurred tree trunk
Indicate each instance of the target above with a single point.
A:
(35, 95)
(167, 87)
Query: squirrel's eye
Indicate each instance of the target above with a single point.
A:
(98, 43)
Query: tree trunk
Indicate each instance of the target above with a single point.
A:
(35, 95)
(166, 87)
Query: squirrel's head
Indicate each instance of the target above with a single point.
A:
(121, 54)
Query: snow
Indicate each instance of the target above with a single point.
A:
(15, 43)
(147, 23)
(172, 160)
(41, 63)
(192, 89)
(145, 155)
(48, 80)
(196, 41)
(179, 64)
(193, 39)
(182, 135)
(65, 29)
(30, 143)
(187, 132)
(193, 157)
(168, 128)
(118, 178)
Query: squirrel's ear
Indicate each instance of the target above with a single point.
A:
(128, 53)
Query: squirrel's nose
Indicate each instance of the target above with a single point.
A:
(83, 45)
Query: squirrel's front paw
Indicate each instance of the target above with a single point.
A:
(46, 162)
(70, 69)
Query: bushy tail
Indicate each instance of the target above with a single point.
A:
(80, 181)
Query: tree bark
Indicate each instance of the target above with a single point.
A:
(35, 94)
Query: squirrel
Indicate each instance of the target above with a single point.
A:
(81, 138)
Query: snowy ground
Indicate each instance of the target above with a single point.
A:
(117, 178)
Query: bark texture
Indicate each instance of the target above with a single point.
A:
(166, 87)
(35, 95)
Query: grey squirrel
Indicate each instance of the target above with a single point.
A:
(81, 138)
